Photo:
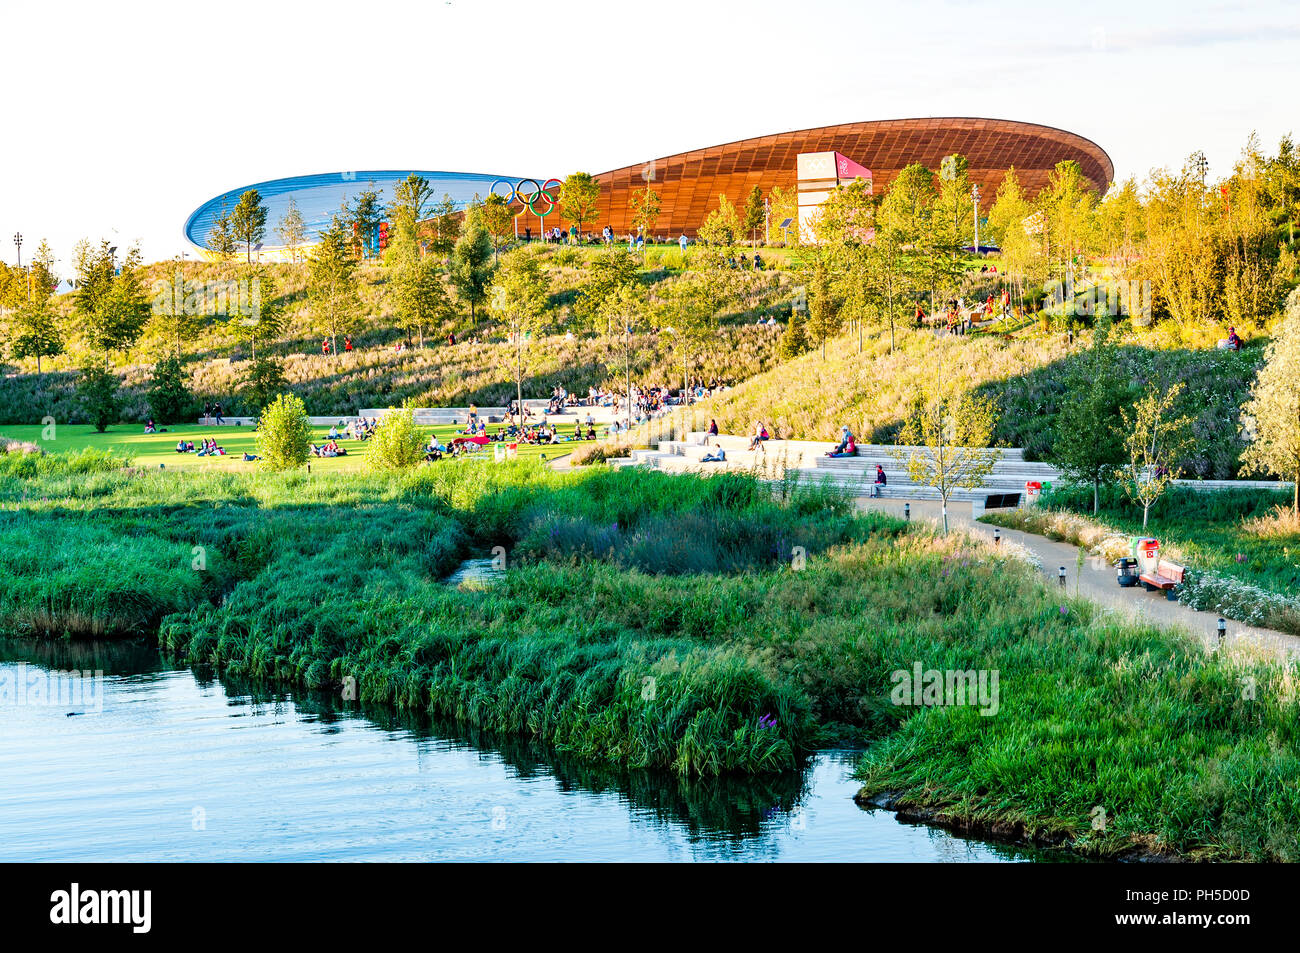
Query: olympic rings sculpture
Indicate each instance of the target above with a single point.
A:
(530, 199)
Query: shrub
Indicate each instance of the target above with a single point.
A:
(265, 379)
(170, 400)
(397, 444)
(284, 434)
(97, 395)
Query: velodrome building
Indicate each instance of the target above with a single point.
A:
(811, 160)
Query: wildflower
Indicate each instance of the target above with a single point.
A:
(767, 721)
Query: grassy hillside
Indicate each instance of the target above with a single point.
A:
(440, 374)
(811, 397)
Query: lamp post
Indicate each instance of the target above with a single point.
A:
(997, 537)
(1223, 631)
(975, 199)
(18, 243)
(1061, 576)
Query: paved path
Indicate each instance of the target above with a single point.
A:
(1097, 582)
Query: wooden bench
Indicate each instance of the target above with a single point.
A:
(1167, 576)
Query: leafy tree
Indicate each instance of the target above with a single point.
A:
(284, 434)
(170, 400)
(471, 266)
(41, 272)
(416, 293)
(579, 194)
(411, 199)
(1157, 439)
(171, 315)
(397, 443)
(610, 270)
(1179, 256)
(785, 205)
(825, 318)
(110, 302)
(248, 221)
(499, 221)
(266, 322)
(362, 218)
(944, 441)
(520, 293)
(794, 341)
(1089, 443)
(720, 234)
(97, 394)
(1067, 205)
(333, 297)
(445, 228)
(34, 331)
(221, 238)
(292, 230)
(1273, 410)
(954, 203)
(265, 379)
(755, 213)
(644, 206)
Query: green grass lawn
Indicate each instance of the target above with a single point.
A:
(150, 450)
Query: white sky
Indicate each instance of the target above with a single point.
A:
(121, 118)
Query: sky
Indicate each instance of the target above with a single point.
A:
(121, 118)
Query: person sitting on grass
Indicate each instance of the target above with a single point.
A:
(181, 447)
(149, 427)
(1234, 342)
(847, 446)
(250, 457)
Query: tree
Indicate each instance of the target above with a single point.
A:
(445, 228)
(1179, 256)
(755, 213)
(498, 220)
(221, 238)
(171, 315)
(362, 218)
(97, 394)
(284, 434)
(610, 270)
(824, 307)
(944, 441)
(34, 331)
(644, 206)
(411, 199)
(266, 322)
(248, 221)
(110, 301)
(265, 379)
(794, 341)
(1089, 444)
(1273, 410)
(579, 194)
(333, 297)
(416, 293)
(520, 293)
(471, 266)
(292, 230)
(1157, 440)
(720, 234)
(397, 443)
(784, 204)
(954, 203)
(169, 397)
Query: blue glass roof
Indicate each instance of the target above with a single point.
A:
(320, 197)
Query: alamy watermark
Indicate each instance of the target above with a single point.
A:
(25, 685)
(1084, 297)
(234, 297)
(976, 688)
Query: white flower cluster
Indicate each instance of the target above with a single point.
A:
(1237, 600)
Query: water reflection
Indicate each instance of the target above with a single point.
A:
(181, 765)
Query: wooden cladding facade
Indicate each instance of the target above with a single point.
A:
(689, 183)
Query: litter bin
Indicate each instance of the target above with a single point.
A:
(1127, 572)
(1032, 489)
(1146, 550)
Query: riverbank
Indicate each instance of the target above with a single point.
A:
(694, 624)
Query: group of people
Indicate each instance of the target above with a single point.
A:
(207, 447)
(744, 264)
(327, 346)
(212, 413)
(330, 448)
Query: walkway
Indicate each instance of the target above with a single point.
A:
(1097, 581)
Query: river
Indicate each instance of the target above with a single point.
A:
(159, 763)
